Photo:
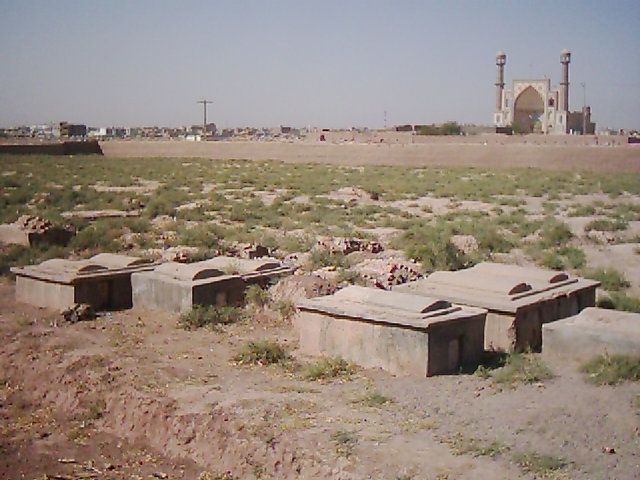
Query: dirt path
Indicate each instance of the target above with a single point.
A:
(131, 396)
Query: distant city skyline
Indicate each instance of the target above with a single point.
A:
(329, 64)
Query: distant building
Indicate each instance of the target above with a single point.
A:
(69, 130)
(534, 106)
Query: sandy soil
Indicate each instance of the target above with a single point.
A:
(451, 152)
(129, 395)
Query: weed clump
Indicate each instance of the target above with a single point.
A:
(620, 301)
(611, 279)
(345, 442)
(539, 464)
(373, 399)
(327, 368)
(461, 445)
(257, 296)
(210, 316)
(612, 369)
(521, 368)
(264, 352)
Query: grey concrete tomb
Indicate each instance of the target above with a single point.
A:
(103, 281)
(402, 333)
(519, 299)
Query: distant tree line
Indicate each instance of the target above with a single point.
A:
(447, 128)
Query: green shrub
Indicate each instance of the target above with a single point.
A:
(575, 256)
(326, 368)
(619, 301)
(373, 398)
(612, 369)
(552, 260)
(605, 225)
(211, 316)
(554, 233)
(286, 309)
(461, 445)
(262, 352)
(257, 296)
(522, 368)
(323, 258)
(611, 279)
(539, 464)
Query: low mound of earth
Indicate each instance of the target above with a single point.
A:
(129, 395)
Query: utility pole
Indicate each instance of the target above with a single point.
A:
(204, 123)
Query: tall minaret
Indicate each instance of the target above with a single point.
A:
(501, 59)
(565, 58)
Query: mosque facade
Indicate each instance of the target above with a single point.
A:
(535, 106)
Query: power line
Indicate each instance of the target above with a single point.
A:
(204, 123)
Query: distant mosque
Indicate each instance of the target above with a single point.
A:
(534, 106)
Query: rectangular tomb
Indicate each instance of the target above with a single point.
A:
(102, 281)
(519, 299)
(594, 331)
(176, 287)
(402, 333)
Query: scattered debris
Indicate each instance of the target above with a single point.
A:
(79, 312)
(33, 230)
(385, 273)
(247, 250)
(345, 246)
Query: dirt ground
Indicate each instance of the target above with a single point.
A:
(130, 395)
(491, 151)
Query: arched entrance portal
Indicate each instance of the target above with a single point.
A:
(528, 111)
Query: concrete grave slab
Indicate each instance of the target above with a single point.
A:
(519, 299)
(593, 331)
(103, 281)
(402, 333)
(176, 287)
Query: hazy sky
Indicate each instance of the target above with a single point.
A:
(334, 63)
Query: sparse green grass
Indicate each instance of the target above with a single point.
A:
(263, 352)
(612, 369)
(327, 368)
(373, 398)
(231, 207)
(286, 309)
(345, 442)
(611, 279)
(210, 316)
(257, 297)
(461, 445)
(606, 225)
(541, 465)
(521, 368)
(619, 301)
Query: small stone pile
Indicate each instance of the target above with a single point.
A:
(41, 230)
(385, 273)
(33, 223)
(247, 250)
(345, 246)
